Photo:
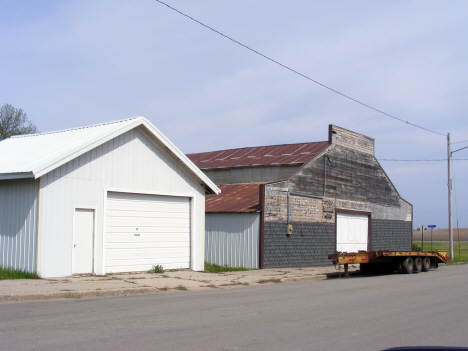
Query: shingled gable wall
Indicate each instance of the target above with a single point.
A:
(355, 181)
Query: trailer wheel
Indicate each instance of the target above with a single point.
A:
(417, 266)
(426, 264)
(407, 265)
(398, 266)
(435, 264)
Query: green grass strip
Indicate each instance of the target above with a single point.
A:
(10, 273)
(214, 268)
(458, 260)
(460, 253)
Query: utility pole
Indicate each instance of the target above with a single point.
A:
(449, 157)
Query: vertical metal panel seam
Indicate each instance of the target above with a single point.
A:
(232, 239)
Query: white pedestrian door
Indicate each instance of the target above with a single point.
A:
(83, 241)
(351, 232)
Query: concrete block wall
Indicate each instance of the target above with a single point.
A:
(391, 235)
(309, 245)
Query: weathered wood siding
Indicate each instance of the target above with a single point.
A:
(352, 177)
(354, 181)
(245, 175)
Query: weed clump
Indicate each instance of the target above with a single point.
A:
(157, 269)
(214, 268)
(416, 247)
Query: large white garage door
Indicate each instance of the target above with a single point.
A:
(351, 232)
(146, 230)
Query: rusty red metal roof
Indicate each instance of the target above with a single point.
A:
(234, 198)
(258, 156)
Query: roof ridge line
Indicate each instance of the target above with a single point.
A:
(77, 128)
(253, 147)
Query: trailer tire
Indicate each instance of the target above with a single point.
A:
(398, 266)
(407, 265)
(426, 264)
(417, 266)
(435, 264)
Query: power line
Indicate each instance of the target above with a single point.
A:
(459, 142)
(298, 73)
(443, 159)
(466, 147)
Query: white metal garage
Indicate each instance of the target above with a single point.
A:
(145, 230)
(351, 232)
(72, 203)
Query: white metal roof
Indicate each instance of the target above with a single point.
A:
(33, 155)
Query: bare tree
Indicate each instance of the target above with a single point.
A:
(14, 122)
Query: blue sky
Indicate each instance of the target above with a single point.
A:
(74, 63)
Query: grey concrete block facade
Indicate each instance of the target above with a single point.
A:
(309, 245)
(391, 235)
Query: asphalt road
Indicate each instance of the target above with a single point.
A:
(359, 313)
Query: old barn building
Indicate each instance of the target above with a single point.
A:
(292, 205)
(113, 197)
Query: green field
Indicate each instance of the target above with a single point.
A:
(459, 255)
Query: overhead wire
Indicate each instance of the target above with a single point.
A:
(297, 72)
(466, 147)
(441, 159)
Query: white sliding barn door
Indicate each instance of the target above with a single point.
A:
(351, 232)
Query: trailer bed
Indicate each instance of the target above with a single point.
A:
(381, 261)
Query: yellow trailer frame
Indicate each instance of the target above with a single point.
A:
(383, 257)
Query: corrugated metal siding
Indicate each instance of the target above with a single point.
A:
(234, 198)
(131, 162)
(18, 223)
(232, 239)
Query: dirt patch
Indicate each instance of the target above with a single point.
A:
(181, 288)
(270, 280)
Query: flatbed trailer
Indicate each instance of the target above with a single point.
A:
(387, 262)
